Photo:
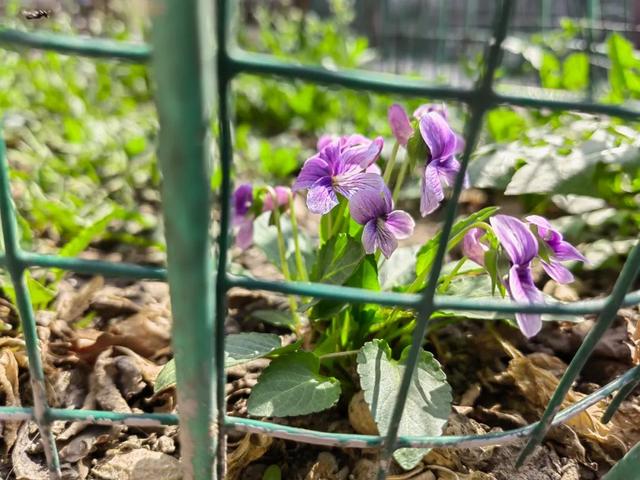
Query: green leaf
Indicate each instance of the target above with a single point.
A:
(337, 259)
(398, 270)
(278, 318)
(575, 172)
(166, 378)
(550, 75)
(292, 385)
(272, 472)
(623, 80)
(279, 162)
(366, 276)
(243, 347)
(575, 71)
(428, 402)
(239, 348)
(628, 467)
(427, 252)
(505, 125)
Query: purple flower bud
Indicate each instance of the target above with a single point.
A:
(472, 247)
(400, 124)
(282, 198)
(383, 226)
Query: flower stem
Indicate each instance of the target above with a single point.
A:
(337, 225)
(400, 180)
(452, 274)
(300, 265)
(422, 277)
(346, 353)
(392, 161)
(282, 250)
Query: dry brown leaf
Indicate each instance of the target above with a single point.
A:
(534, 377)
(360, 416)
(147, 333)
(249, 449)
(103, 385)
(71, 304)
(10, 389)
(138, 464)
(85, 443)
(25, 467)
(326, 468)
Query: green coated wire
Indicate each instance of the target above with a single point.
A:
(16, 271)
(229, 64)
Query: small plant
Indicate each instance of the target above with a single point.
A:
(355, 192)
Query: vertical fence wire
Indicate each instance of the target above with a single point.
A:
(225, 75)
(17, 272)
(478, 108)
(184, 70)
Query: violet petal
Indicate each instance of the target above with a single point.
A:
(244, 235)
(369, 204)
(472, 247)
(523, 290)
(363, 154)
(400, 224)
(313, 170)
(321, 198)
(354, 180)
(438, 135)
(242, 199)
(565, 251)
(516, 238)
(369, 237)
(386, 240)
(557, 271)
(432, 193)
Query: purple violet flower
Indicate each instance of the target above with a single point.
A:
(383, 226)
(244, 214)
(561, 250)
(242, 218)
(472, 247)
(343, 166)
(400, 124)
(521, 247)
(442, 167)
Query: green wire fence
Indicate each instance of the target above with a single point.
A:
(194, 63)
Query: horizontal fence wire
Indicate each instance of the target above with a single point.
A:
(230, 63)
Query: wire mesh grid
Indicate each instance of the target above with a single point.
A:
(186, 73)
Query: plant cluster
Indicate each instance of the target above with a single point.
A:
(354, 191)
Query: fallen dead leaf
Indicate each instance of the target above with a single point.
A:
(138, 464)
(326, 468)
(249, 449)
(360, 416)
(71, 303)
(10, 389)
(25, 467)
